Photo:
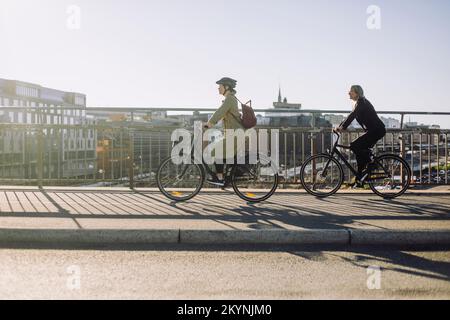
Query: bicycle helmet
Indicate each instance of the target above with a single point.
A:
(231, 83)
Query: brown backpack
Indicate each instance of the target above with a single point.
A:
(248, 117)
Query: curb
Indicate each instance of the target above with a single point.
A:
(174, 236)
(264, 236)
(92, 236)
(224, 237)
(399, 237)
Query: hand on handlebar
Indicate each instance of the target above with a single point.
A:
(337, 130)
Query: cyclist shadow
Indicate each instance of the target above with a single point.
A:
(260, 216)
(405, 206)
(330, 213)
(403, 262)
(394, 261)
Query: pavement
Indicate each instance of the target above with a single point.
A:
(213, 273)
(119, 215)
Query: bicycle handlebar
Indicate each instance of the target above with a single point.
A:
(338, 134)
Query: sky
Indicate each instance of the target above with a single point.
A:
(148, 53)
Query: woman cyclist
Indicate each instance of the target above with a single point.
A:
(367, 117)
(228, 112)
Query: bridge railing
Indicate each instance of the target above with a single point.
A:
(128, 152)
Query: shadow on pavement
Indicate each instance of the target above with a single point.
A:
(281, 211)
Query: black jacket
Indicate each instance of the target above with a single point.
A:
(366, 116)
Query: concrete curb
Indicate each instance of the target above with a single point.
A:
(218, 237)
(399, 237)
(103, 236)
(264, 236)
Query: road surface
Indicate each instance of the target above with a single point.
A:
(215, 273)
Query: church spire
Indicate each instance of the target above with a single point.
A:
(279, 95)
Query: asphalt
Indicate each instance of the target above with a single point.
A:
(165, 273)
(106, 215)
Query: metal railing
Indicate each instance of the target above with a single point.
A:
(128, 153)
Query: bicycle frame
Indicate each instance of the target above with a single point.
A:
(335, 151)
(375, 175)
(208, 170)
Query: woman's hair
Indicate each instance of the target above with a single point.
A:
(358, 89)
(233, 91)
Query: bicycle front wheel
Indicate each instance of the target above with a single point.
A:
(321, 175)
(390, 176)
(179, 182)
(255, 182)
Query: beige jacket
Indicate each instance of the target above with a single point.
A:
(229, 113)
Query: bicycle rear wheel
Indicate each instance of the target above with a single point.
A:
(255, 182)
(321, 175)
(390, 176)
(179, 182)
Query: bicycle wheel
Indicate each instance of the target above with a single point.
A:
(255, 182)
(179, 182)
(321, 175)
(390, 176)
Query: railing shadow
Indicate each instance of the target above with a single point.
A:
(281, 211)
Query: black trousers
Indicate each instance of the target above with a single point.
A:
(362, 145)
(219, 167)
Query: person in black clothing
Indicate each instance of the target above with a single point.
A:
(367, 117)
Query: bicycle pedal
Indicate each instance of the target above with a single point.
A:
(216, 183)
(358, 186)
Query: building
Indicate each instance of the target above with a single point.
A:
(334, 119)
(114, 116)
(416, 125)
(147, 138)
(391, 123)
(283, 103)
(285, 118)
(68, 153)
(337, 119)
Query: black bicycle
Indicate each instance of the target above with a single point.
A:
(253, 182)
(387, 175)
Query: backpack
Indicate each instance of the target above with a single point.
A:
(248, 117)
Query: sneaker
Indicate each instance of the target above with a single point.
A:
(363, 176)
(356, 183)
(216, 182)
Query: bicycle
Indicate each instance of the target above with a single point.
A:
(184, 181)
(387, 175)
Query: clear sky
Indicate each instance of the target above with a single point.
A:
(170, 53)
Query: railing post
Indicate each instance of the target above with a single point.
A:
(294, 154)
(40, 157)
(420, 157)
(446, 157)
(286, 177)
(131, 158)
(438, 159)
(313, 144)
(313, 152)
(313, 120)
(429, 157)
(402, 154)
(412, 156)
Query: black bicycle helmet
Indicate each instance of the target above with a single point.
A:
(231, 83)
